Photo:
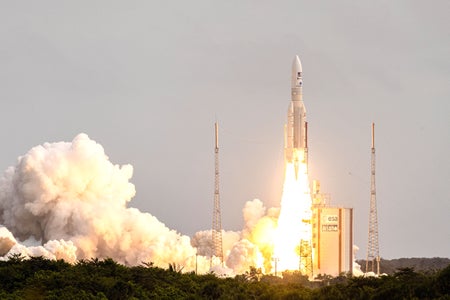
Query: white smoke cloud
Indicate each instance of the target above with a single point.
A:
(7, 241)
(71, 200)
(243, 256)
(356, 267)
(252, 247)
(202, 240)
(259, 231)
(52, 250)
(253, 211)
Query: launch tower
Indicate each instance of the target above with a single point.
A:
(373, 254)
(217, 250)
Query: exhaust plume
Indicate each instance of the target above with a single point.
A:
(68, 201)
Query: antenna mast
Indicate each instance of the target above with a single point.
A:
(217, 250)
(373, 252)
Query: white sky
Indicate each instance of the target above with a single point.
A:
(147, 80)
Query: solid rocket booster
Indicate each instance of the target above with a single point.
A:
(295, 133)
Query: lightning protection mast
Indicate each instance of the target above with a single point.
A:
(217, 250)
(373, 254)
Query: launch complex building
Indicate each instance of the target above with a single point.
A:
(332, 236)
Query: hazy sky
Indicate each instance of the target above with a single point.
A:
(147, 80)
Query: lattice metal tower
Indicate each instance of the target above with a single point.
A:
(217, 250)
(373, 254)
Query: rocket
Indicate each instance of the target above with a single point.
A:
(295, 131)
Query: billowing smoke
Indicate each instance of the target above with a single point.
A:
(260, 226)
(202, 240)
(252, 247)
(68, 201)
(7, 241)
(356, 267)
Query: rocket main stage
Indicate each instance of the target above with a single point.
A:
(295, 131)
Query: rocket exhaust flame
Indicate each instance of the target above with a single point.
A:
(294, 226)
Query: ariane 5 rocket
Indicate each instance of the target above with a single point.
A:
(295, 131)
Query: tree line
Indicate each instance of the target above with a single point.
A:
(390, 266)
(40, 278)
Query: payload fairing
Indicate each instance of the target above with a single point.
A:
(295, 131)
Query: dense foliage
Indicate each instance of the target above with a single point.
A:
(390, 266)
(39, 278)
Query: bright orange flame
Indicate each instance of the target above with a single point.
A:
(294, 222)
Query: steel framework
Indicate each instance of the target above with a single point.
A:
(217, 250)
(373, 252)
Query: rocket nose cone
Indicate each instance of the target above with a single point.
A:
(296, 73)
(297, 65)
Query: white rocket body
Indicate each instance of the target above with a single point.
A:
(295, 131)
